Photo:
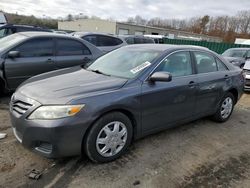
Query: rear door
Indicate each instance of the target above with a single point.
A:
(70, 52)
(213, 76)
(36, 57)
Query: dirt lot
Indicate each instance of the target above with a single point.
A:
(198, 154)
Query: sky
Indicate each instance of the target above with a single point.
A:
(122, 9)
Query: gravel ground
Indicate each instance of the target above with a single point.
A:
(198, 154)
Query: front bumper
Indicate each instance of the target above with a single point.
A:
(50, 138)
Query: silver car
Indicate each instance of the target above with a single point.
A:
(246, 70)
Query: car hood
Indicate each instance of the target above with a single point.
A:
(62, 86)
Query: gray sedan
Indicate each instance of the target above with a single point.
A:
(23, 55)
(124, 95)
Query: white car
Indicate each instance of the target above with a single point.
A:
(246, 69)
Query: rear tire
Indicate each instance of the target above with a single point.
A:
(109, 137)
(225, 109)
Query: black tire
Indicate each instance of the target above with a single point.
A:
(2, 88)
(90, 147)
(218, 115)
(242, 66)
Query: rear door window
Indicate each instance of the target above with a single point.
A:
(108, 41)
(91, 39)
(138, 40)
(36, 48)
(130, 40)
(68, 47)
(205, 62)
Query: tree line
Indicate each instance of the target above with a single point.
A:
(226, 27)
(31, 20)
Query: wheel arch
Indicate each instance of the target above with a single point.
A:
(126, 112)
(235, 94)
(2, 84)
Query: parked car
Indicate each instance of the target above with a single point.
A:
(136, 39)
(9, 29)
(158, 39)
(246, 70)
(237, 56)
(23, 55)
(104, 42)
(124, 95)
(60, 32)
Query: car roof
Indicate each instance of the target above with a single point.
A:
(27, 26)
(164, 47)
(247, 48)
(135, 36)
(43, 34)
(93, 33)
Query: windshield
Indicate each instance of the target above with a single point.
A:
(235, 53)
(8, 41)
(124, 62)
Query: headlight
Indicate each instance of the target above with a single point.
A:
(55, 112)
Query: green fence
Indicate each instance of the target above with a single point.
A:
(218, 47)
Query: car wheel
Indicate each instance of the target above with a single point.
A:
(109, 137)
(226, 108)
(242, 66)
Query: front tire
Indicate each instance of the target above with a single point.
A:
(225, 109)
(109, 137)
(2, 88)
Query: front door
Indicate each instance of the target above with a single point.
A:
(36, 57)
(164, 103)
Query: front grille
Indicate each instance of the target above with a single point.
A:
(247, 82)
(20, 107)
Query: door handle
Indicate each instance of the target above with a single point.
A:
(191, 84)
(226, 77)
(50, 60)
(86, 59)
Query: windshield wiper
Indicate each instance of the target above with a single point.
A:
(99, 72)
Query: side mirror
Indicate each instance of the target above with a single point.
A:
(161, 77)
(13, 54)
